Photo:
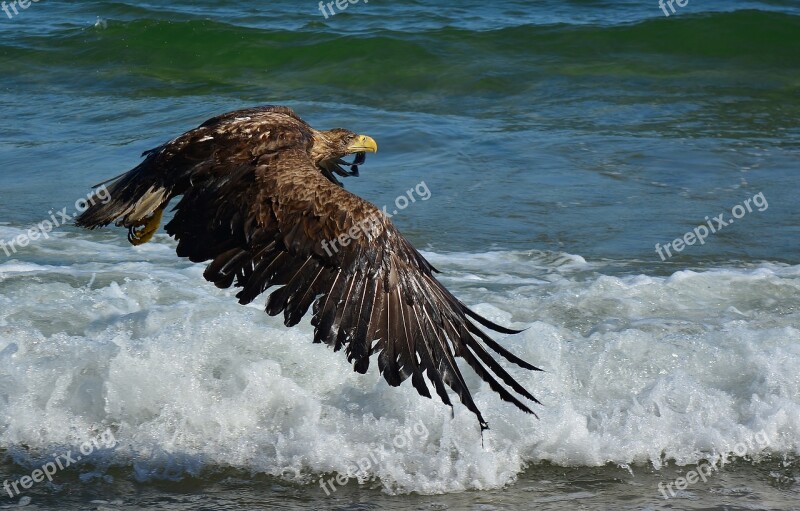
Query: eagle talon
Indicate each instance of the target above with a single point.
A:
(141, 233)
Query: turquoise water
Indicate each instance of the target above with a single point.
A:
(560, 142)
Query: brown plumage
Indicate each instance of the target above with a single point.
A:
(259, 199)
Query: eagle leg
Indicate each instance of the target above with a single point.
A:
(143, 232)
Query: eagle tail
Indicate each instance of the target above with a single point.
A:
(135, 200)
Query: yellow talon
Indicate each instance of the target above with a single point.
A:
(142, 233)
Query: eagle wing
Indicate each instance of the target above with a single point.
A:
(255, 205)
(275, 220)
(205, 154)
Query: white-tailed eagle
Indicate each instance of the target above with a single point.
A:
(259, 199)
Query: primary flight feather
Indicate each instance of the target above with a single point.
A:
(260, 200)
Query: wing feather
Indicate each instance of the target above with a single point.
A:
(268, 222)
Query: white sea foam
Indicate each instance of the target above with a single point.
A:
(639, 369)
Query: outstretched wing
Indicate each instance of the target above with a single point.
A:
(220, 143)
(277, 221)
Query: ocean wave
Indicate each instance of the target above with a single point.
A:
(221, 55)
(639, 369)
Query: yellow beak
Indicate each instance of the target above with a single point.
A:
(363, 144)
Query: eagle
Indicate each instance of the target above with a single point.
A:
(259, 199)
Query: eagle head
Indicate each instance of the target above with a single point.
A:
(330, 146)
